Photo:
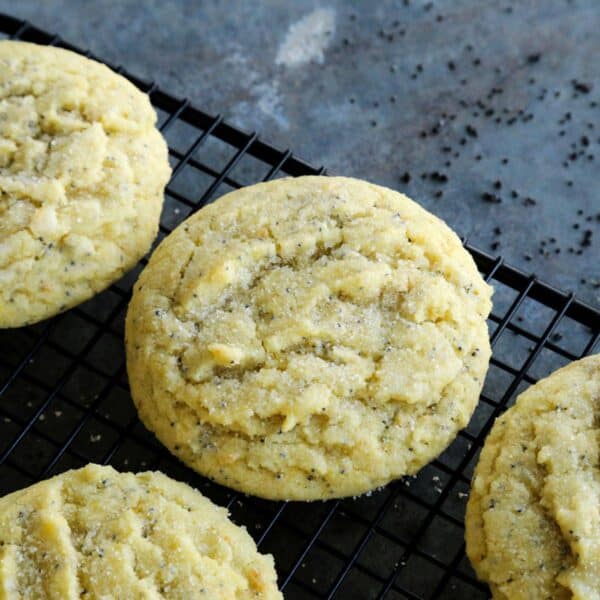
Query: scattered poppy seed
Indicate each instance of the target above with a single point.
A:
(471, 131)
(580, 86)
(491, 198)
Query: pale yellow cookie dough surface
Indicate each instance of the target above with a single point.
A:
(533, 518)
(94, 533)
(82, 172)
(308, 338)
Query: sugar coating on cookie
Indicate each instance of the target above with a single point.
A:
(96, 533)
(82, 172)
(308, 338)
(533, 517)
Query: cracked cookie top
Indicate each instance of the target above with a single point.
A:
(308, 338)
(533, 518)
(82, 172)
(96, 533)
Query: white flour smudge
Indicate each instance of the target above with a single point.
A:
(268, 101)
(307, 39)
(264, 93)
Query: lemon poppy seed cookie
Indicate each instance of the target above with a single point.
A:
(533, 517)
(308, 338)
(82, 172)
(95, 533)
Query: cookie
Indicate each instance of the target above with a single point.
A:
(96, 533)
(82, 172)
(308, 338)
(533, 517)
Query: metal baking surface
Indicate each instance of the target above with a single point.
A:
(64, 399)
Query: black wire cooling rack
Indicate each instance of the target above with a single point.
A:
(64, 399)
